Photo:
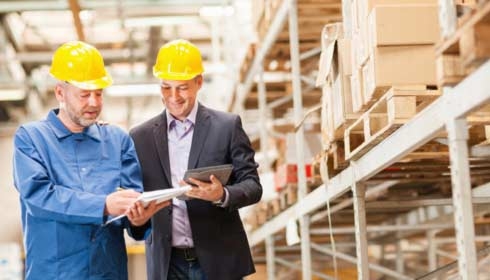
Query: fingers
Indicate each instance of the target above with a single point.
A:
(118, 202)
(139, 215)
(215, 181)
(183, 183)
(128, 193)
(161, 205)
(206, 191)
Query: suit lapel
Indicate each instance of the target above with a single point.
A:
(201, 130)
(161, 142)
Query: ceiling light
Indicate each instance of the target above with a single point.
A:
(216, 11)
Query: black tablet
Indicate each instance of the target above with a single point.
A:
(222, 172)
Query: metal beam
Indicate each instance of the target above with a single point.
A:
(381, 228)
(108, 54)
(371, 192)
(270, 257)
(461, 189)
(400, 260)
(46, 5)
(352, 259)
(397, 204)
(359, 195)
(304, 220)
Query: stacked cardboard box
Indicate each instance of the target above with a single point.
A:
(334, 78)
(394, 46)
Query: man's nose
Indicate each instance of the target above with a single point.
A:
(174, 92)
(93, 100)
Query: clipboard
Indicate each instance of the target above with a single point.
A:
(158, 196)
(221, 172)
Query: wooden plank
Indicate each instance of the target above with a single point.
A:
(75, 10)
(391, 111)
(449, 44)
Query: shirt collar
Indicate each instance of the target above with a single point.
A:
(61, 131)
(191, 117)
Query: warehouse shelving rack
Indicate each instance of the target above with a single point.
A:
(446, 115)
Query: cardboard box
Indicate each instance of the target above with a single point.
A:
(344, 51)
(325, 115)
(335, 61)
(356, 91)
(336, 109)
(399, 66)
(370, 4)
(403, 25)
(360, 41)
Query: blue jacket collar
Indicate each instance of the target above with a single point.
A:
(61, 131)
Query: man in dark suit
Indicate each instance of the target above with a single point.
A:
(200, 238)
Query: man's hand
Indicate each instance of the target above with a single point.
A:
(206, 191)
(117, 203)
(139, 215)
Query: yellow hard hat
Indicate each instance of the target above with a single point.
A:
(178, 60)
(80, 64)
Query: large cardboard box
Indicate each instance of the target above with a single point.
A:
(399, 66)
(370, 4)
(403, 25)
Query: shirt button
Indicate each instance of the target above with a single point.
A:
(83, 169)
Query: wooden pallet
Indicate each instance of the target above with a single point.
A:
(467, 48)
(312, 16)
(288, 196)
(273, 208)
(391, 111)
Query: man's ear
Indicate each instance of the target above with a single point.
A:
(59, 92)
(199, 80)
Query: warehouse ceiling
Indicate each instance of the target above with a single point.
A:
(127, 32)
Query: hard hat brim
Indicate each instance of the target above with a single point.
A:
(174, 76)
(93, 84)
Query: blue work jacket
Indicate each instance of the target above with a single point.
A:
(63, 179)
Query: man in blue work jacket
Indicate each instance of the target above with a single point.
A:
(67, 168)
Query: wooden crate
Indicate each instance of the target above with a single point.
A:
(470, 43)
(391, 111)
(450, 70)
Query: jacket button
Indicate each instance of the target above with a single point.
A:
(169, 238)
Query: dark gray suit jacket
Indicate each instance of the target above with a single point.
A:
(219, 238)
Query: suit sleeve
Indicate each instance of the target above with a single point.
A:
(44, 199)
(141, 232)
(246, 188)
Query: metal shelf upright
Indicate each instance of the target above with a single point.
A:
(447, 114)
